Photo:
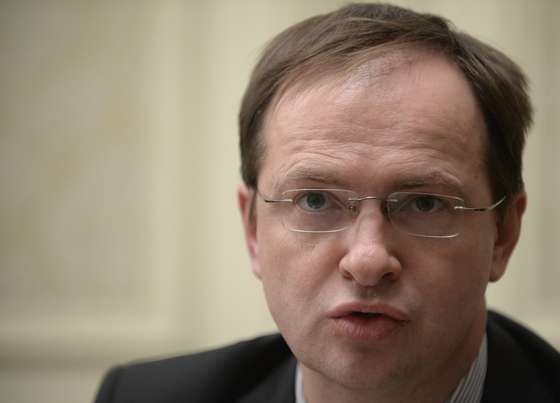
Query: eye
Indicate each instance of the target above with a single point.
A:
(426, 203)
(422, 204)
(314, 201)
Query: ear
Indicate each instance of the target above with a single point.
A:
(507, 234)
(246, 198)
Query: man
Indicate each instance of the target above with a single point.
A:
(381, 159)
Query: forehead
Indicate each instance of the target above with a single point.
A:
(412, 109)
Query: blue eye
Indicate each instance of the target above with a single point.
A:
(313, 201)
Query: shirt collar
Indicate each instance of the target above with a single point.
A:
(469, 389)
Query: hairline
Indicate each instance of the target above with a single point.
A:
(302, 79)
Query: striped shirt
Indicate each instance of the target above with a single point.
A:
(469, 389)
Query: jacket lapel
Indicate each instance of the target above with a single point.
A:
(511, 375)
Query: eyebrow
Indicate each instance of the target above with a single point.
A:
(305, 174)
(432, 179)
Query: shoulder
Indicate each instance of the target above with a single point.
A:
(224, 374)
(520, 363)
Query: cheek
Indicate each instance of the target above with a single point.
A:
(294, 269)
(452, 275)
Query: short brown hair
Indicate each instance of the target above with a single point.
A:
(334, 40)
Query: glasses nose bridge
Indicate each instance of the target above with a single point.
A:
(371, 220)
(355, 204)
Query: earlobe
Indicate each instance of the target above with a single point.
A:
(246, 200)
(508, 230)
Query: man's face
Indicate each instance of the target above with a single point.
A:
(414, 126)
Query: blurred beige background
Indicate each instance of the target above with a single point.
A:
(119, 234)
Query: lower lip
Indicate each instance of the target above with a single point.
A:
(367, 329)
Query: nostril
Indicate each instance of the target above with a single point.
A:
(370, 266)
(346, 274)
(390, 275)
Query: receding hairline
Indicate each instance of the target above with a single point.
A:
(338, 69)
(386, 63)
(385, 59)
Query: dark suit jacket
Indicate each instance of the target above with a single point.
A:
(521, 368)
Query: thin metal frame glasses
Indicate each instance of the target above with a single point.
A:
(420, 214)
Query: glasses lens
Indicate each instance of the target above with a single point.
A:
(425, 214)
(317, 210)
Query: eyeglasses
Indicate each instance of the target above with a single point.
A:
(415, 213)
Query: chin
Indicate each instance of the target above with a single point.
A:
(358, 370)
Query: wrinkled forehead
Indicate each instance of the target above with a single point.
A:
(417, 102)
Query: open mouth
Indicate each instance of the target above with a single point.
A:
(369, 326)
(364, 312)
(366, 315)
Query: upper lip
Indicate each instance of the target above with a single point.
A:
(349, 308)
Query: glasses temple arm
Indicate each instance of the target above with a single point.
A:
(278, 200)
(480, 209)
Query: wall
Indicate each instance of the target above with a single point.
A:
(119, 233)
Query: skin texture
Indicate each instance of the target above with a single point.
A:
(405, 123)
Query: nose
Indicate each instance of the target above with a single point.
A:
(369, 261)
